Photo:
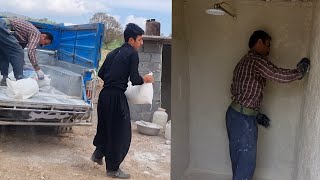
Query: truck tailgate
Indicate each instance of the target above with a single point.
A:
(47, 97)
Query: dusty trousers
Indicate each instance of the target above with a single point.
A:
(113, 135)
(10, 52)
(243, 136)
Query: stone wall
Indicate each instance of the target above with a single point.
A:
(150, 61)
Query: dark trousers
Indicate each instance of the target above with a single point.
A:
(243, 136)
(4, 66)
(113, 136)
(10, 52)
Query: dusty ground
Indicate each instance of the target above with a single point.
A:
(32, 153)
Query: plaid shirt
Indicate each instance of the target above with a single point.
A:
(26, 33)
(249, 79)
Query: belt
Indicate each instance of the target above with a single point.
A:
(7, 23)
(244, 110)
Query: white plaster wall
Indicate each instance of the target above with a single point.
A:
(179, 95)
(309, 138)
(216, 44)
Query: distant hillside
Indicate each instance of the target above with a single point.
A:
(10, 14)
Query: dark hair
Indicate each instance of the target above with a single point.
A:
(49, 36)
(132, 31)
(258, 35)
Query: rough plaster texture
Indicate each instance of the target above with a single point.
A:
(308, 139)
(215, 44)
(179, 95)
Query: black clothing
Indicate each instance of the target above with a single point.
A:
(119, 65)
(113, 136)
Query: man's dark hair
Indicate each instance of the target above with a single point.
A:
(258, 35)
(132, 31)
(49, 36)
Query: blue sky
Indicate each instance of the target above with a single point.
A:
(80, 11)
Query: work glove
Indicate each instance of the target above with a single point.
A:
(263, 120)
(40, 74)
(303, 66)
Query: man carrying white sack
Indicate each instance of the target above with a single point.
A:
(113, 135)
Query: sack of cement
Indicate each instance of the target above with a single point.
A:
(139, 94)
(22, 89)
(44, 82)
(33, 75)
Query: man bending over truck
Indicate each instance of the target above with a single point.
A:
(15, 35)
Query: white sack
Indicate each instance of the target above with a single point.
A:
(33, 75)
(44, 82)
(22, 89)
(139, 94)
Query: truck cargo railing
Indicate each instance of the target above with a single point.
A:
(45, 116)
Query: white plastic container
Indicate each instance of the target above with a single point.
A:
(160, 117)
(167, 133)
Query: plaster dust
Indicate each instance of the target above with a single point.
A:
(37, 153)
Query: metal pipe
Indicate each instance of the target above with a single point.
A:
(218, 6)
(40, 110)
(44, 123)
(226, 11)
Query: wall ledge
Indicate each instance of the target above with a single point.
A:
(160, 39)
